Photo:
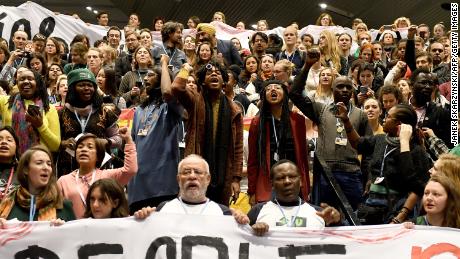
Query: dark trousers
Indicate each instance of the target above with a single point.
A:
(352, 187)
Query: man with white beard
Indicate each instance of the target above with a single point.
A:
(193, 177)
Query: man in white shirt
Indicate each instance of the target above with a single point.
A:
(286, 208)
(193, 177)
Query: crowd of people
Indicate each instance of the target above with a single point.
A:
(217, 125)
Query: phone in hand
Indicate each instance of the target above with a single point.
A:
(363, 89)
(387, 27)
(33, 109)
(139, 84)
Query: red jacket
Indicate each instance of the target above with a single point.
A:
(259, 178)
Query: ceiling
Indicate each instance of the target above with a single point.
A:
(277, 12)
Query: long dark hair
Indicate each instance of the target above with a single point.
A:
(407, 115)
(16, 141)
(40, 57)
(265, 114)
(111, 82)
(113, 192)
(245, 75)
(40, 92)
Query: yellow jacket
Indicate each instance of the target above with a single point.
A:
(50, 131)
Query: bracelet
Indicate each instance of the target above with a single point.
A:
(405, 210)
(395, 220)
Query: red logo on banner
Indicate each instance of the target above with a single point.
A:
(436, 249)
(14, 231)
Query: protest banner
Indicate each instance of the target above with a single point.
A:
(197, 236)
(34, 18)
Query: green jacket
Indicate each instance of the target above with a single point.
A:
(22, 214)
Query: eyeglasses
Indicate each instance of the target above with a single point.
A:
(437, 50)
(188, 171)
(259, 40)
(273, 86)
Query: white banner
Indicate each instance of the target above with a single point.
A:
(34, 18)
(194, 236)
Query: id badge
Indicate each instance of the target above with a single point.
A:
(142, 132)
(181, 144)
(276, 157)
(379, 180)
(341, 141)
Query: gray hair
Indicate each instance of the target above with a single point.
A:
(191, 156)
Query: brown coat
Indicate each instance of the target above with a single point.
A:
(194, 103)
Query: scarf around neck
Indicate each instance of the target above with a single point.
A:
(45, 204)
(28, 135)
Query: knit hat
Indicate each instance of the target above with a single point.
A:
(81, 74)
(206, 27)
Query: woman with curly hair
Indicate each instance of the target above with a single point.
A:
(324, 19)
(30, 114)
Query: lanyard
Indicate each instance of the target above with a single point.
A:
(276, 136)
(426, 221)
(16, 64)
(183, 132)
(140, 77)
(147, 114)
(289, 223)
(10, 179)
(77, 176)
(83, 123)
(170, 57)
(185, 209)
(385, 154)
(349, 112)
(290, 58)
(33, 208)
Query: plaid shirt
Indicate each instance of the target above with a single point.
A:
(437, 146)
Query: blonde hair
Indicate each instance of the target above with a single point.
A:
(330, 52)
(449, 165)
(221, 14)
(287, 66)
(296, 35)
(110, 54)
(319, 92)
(400, 19)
